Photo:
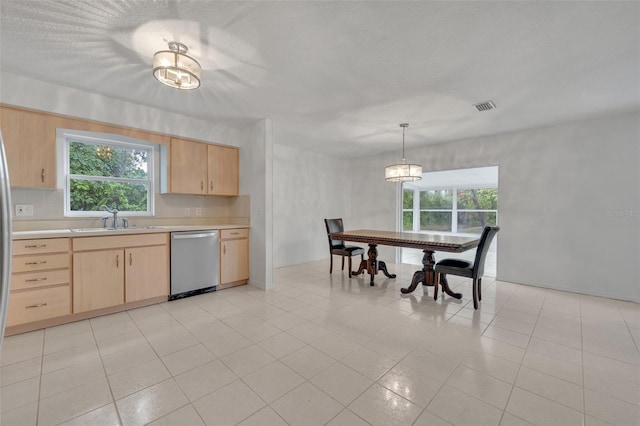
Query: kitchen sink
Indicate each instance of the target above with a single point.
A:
(132, 228)
(91, 229)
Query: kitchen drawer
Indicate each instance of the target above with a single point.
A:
(39, 262)
(36, 305)
(39, 279)
(227, 234)
(50, 245)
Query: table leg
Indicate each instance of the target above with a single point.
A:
(427, 276)
(372, 265)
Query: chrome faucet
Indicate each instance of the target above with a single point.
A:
(114, 212)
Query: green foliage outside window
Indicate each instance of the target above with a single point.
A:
(440, 199)
(437, 209)
(407, 204)
(478, 199)
(121, 172)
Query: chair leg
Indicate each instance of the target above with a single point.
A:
(475, 293)
(436, 278)
(349, 266)
(479, 288)
(331, 264)
(343, 262)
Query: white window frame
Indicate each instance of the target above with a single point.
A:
(64, 137)
(454, 210)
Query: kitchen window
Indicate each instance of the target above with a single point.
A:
(107, 170)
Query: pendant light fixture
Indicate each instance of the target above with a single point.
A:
(403, 172)
(175, 68)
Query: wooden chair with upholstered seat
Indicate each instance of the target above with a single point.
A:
(337, 247)
(464, 268)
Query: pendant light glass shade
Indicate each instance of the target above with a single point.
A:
(175, 68)
(403, 172)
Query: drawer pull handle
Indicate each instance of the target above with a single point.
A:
(234, 233)
(35, 280)
(130, 259)
(39, 305)
(35, 246)
(224, 249)
(42, 175)
(117, 260)
(211, 185)
(42, 262)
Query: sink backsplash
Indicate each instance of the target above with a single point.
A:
(170, 209)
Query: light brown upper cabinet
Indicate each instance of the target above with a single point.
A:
(200, 168)
(223, 170)
(188, 167)
(30, 143)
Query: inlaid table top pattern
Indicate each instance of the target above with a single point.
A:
(428, 243)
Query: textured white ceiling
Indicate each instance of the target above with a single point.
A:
(338, 77)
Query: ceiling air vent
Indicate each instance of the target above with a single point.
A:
(485, 106)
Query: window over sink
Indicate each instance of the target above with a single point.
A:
(106, 170)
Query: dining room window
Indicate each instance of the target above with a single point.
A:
(454, 201)
(461, 201)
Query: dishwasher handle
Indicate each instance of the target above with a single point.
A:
(191, 236)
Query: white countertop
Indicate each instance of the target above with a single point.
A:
(61, 233)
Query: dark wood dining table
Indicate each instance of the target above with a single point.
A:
(428, 243)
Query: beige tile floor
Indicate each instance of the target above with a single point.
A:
(326, 349)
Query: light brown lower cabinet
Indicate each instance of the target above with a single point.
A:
(234, 257)
(132, 268)
(145, 276)
(98, 280)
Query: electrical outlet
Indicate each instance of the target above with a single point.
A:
(187, 211)
(24, 209)
(198, 211)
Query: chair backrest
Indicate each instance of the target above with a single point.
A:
(334, 225)
(483, 247)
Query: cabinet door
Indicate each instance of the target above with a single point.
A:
(188, 167)
(30, 143)
(98, 280)
(147, 274)
(224, 170)
(234, 261)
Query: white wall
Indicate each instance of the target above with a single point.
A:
(569, 201)
(256, 180)
(29, 93)
(308, 188)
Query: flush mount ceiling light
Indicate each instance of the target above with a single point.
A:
(403, 172)
(175, 68)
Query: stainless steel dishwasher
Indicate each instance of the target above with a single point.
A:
(194, 263)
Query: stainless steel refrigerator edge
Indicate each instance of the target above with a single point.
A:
(5, 228)
(194, 263)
